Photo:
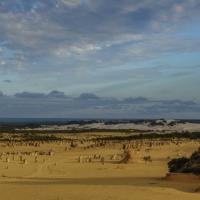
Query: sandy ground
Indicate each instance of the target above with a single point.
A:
(62, 177)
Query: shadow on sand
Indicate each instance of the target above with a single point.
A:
(107, 181)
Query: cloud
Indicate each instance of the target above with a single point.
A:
(56, 94)
(57, 104)
(69, 3)
(131, 100)
(109, 47)
(7, 81)
(29, 95)
(1, 94)
(88, 31)
(88, 96)
(33, 95)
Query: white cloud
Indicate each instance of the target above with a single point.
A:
(71, 3)
(2, 62)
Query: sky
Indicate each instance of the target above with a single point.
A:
(100, 58)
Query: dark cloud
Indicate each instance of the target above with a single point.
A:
(57, 94)
(32, 95)
(135, 100)
(88, 96)
(55, 104)
(1, 94)
(7, 81)
(29, 95)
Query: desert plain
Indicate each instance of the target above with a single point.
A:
(85, 166)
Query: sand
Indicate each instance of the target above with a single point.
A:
(61, 177)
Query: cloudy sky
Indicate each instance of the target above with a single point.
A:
(100, 58)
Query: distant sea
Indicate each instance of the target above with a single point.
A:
(37, 120)
(76, 120)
